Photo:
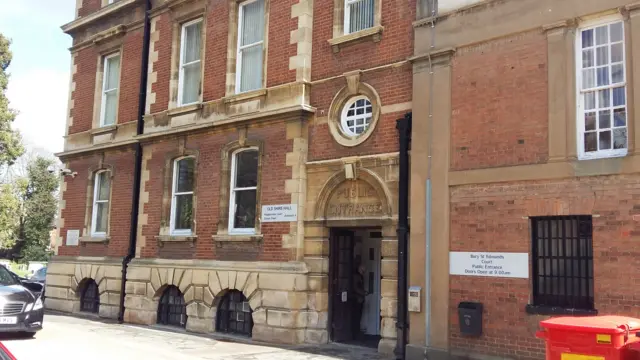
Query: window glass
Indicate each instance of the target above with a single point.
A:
(190, 64)
(250, 46)
(182, 200)
(356, 117)
(359, 15)
(244, 191)
(110, 90)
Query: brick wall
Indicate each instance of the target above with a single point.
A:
(215, 60)
(279, 45)
(89, 7)
(163, 65)
(86, 61)
(75, 198)
(209, 146)
(499, 103)
(492, 218)
(396, 43)
(130, 76)
(393, 86)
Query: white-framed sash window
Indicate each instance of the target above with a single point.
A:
(358, 15)
(244, 187)
(110, 84)
(190, 77)
(251, 29)
(181, 219)
(101, 195)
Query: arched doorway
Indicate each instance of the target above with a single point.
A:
(172, 309)
(90, 297)
(234, 314)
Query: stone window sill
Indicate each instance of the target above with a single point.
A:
(95, 239)
(176, 239)
(245, 96)
(185, 109)
(374, 34)
(551, 310)
(104, 129)
(237, 238)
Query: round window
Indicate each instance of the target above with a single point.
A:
(356, 116)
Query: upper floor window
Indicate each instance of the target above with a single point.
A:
(189, 82)
(602, 103)
(244, 186)
(358, 15)
(181, 218)
(101, 195)
(250, 46)
(110, 82)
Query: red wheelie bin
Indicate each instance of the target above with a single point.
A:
(591, 338)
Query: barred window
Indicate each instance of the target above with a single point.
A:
(234, 314)
(172, 309)
(562, 259)
(90, 297)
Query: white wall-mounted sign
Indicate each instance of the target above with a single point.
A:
(492, 264)
(280, 213)
(72, 237)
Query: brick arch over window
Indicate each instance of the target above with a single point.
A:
(364, 175)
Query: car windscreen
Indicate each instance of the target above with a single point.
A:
(6, 278)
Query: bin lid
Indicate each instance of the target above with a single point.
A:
(607, 324)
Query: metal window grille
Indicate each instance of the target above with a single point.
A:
(90, 297)
(234, 315)
(563, 262)
(172, 309)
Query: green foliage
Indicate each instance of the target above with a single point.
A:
(28, 210)
(10, 141)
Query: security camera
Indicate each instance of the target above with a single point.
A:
(68, 172)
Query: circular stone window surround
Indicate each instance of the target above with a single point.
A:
(342, 99)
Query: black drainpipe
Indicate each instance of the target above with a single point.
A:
(137, 171)
(404, 131)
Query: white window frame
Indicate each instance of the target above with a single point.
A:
(347, 15)
(600, 154)
(183, 65)
(240, 48)
(232, 193)
(103, 106)
(343, 116)
(94, 215)
(174, 182)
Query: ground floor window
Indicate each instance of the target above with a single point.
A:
(90, 297)
(234, 314)
(562, 258)
(172, 309)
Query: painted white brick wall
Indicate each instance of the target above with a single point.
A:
(445, 6)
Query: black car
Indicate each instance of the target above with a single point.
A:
(21, 310)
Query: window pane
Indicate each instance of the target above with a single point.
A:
(605, 140)
(620, 117)
(587, 58)
(102, 217)
(620, 138)
(193, 35)
(184, 175)
(191, 83)
(616, 32)
(602, 35)
(617, 53)
(590, 121)
(603, 76)
(587, 38)
(603, 98)
(251, 68)
(590, 101)
(245, 214)
(591, 141)
(183, 212)
(619, 96)
(110, 108)
(113, 73)
(602, 55)
(104, 184)
(247, 169)
(588, 78)
(604, 119)
(252, 23)
(360, 15)
(617, 73)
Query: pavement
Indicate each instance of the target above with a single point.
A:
(65, 337)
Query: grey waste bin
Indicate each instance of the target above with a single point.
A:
(470, 318)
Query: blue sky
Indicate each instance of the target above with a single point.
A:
(39, 82)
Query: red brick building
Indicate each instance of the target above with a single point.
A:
(266, 135)
(533, 174)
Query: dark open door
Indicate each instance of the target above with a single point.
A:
(341, 284)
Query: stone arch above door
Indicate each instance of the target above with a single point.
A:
(365, 197)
